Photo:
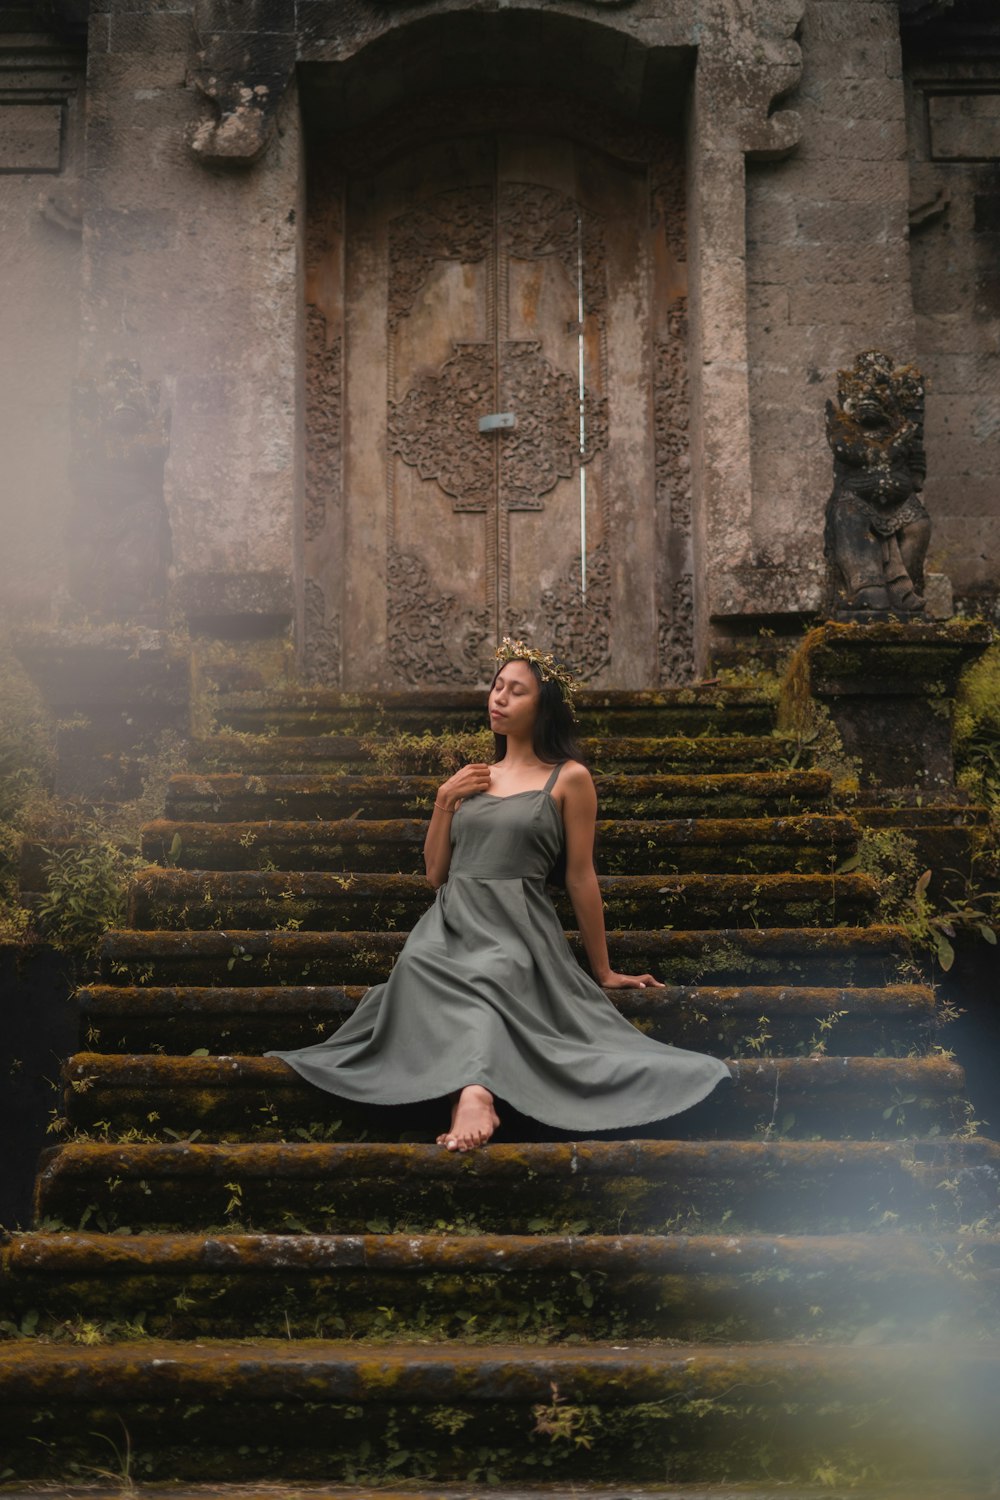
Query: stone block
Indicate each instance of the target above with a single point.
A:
(864, 98)
(253, 599)
(31, 136)
(964, 126)
(771, 214)
(883, 306)
(838, 223)
(939, 596)
(151, 33)
(846, 139)
(971, 561)
(862, 265)
(867, 20)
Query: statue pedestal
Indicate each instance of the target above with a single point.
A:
(890, 690)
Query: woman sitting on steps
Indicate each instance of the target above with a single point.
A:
(486, 999)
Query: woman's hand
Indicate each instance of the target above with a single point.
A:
(465, 783)
(613, 981)
(437, 844)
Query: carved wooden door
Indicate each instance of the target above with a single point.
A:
(498, 443)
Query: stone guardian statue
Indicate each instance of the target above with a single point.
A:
(877, 530)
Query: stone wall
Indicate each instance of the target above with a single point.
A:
(828, 275)
(192, 262)
(195, 273)
(40, 143)
(953, 112)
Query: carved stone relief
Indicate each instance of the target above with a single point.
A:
(536, 221)
(544, 447)
(676, 634)
(673, 501)
(575, 626)
(431, 638)
(432, 419)
(322, 636)
(323, 411)
(455, 225)
(434, 427)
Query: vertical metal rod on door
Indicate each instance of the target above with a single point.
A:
(583, 416)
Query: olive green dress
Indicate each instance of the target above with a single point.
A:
(486, 990)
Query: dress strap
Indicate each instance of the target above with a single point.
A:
(552, 779)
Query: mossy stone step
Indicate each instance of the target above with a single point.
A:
(938, 1489)
(250, 1019)
(775, 955)
(775, 1186)
(318, 1408)
(840, 1097)
(554, 1288)
(291, 753)
(707, 710)
(810, 843)
(174, 899)
(231, 797)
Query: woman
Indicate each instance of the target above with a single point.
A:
(486, 998)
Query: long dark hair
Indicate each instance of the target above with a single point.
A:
(553, 738)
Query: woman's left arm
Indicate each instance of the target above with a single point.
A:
(579, 814)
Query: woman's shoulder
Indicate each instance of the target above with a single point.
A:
(574, 776)
(575, 770)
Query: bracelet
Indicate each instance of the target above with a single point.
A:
(441, 808)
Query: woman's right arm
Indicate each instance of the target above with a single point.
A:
(437, 844)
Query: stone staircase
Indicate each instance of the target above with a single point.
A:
(792, 1288)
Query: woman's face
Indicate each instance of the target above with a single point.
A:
(513, 701)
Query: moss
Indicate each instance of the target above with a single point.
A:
(977, 729)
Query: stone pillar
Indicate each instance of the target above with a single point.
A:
(890, 690)
(195, 273)
(745, 62)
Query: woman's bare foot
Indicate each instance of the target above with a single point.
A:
(473, 1120)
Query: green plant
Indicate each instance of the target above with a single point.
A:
(444, 752)
(977, 729)
(890, 857)
(976, 911)
(86, 890)
(560, 1421)
(26, 765)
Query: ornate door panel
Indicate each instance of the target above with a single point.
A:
(498, 434)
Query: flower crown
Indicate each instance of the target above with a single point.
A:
(546, 663)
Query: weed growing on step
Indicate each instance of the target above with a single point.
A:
(562, 1422)
(817, 1044)
(444, 752)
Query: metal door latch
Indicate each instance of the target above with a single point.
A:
(496, 420)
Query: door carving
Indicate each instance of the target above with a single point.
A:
(498, 447)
